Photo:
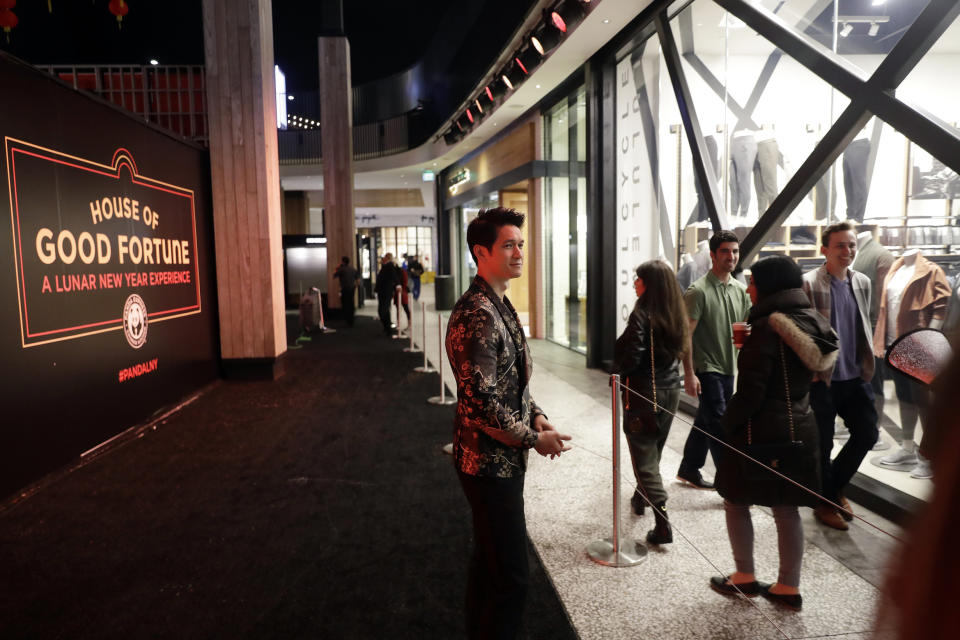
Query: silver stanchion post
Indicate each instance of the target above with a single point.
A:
(396, 304)
(323, 327)
(442, 398)
(615, 552)
(426, 368)
(413, 348)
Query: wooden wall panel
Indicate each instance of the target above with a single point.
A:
(516, 149)
(238, 39)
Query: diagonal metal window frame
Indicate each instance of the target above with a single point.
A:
(869, 96)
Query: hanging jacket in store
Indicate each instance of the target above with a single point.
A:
(924, 299)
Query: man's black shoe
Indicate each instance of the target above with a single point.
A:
(694, 480)
(638, 503)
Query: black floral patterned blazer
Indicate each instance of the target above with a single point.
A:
(491, 361)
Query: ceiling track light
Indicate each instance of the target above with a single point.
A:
(528, 58)
(548, 35)
(847, 28)
(873, 30)
(512, 75)
(484, 101)
(570, 13)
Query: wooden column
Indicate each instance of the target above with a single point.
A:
(245, 175)
(336, 127)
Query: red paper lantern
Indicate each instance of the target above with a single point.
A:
(8, 19)
(119, 8)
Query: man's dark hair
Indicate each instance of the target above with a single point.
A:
(775, 273)
(720, 237)
(846, 225)
(484, 229)
(345, 260)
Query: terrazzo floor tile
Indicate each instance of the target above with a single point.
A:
(569, 504)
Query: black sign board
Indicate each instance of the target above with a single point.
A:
(106, 273)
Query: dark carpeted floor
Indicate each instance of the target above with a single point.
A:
(317, 506)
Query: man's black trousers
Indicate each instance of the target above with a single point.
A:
(499, 573)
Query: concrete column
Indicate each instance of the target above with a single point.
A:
(245, 176)
(336, 127)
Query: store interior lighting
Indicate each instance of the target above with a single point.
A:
(845, 31)
(874, 29)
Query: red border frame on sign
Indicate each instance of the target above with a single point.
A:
(121, 158)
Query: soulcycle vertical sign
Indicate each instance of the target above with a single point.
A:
(637, 99)
(99, 248)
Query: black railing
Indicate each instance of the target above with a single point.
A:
(374, 140)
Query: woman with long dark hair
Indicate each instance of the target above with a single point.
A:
(769, 418)
(646, 357)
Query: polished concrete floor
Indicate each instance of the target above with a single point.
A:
(570, 504)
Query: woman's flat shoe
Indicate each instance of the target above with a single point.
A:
(722, 585)
(792, 601)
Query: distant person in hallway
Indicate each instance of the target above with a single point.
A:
(348, 278)
(496, 424)
(769, 418)
(842, 296)
(646, 357)
(714, 302)
(387, 283)
(415, 270)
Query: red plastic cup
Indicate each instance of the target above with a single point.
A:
(740, 332)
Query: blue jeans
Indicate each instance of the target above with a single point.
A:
(715, 392)
(852, 400)
(415, 287)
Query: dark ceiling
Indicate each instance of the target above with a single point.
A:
(385, 36)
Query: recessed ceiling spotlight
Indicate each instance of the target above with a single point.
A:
(289, 97)
(606, 21)
(154, 61)
(538, 86)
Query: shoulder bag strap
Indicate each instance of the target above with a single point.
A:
(786, 385)
(653, 373)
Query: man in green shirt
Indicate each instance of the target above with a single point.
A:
(714, 302)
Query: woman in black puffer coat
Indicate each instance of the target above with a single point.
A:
(789, 342)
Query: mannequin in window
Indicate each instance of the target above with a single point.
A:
(697, 267)
(743, 156)
(915, 294)
(765, 168)
(873, 260)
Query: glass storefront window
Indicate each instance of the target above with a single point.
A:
(761, 114)
(933, 83)
(744, 89)
(862, 32)
(406, 240)
(565, 222)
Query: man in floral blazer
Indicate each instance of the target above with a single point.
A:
(497, 423)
